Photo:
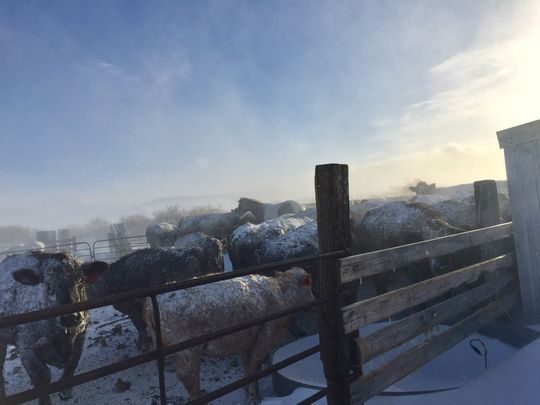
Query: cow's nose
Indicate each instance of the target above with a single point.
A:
(71, 320)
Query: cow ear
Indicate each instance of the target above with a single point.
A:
(28, 276)
(306, 280)
(94, 270)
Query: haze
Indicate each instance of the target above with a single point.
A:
(107, 107)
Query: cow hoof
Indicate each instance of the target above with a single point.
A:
(65, 395)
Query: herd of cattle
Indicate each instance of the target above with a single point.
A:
(261, 233)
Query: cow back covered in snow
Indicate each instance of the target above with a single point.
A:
(201, 310)
(212, 258)
(35, 281)
(151, 267)
(286, 237)
(218, 225)
(161, 235)
(400, 223)
(265, 211)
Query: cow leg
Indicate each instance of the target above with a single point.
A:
(255, 357)
(3, 350)
(71, 365)
(38, 372)
(188, 370)
(134, 310)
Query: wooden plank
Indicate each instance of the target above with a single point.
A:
(368, 264)
(333, 227)
(376, 381)
(402, 331)
(374, 309)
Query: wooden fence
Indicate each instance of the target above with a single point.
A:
(491, 291)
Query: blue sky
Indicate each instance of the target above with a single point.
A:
(107, 105)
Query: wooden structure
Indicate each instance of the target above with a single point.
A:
(521, 146)
(466, 310)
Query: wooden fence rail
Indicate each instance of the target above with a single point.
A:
(377, 308)
(369, 264)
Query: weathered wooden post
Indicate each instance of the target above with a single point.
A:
(487, 213)
(487, 203)
(332, 198)
(521, 146)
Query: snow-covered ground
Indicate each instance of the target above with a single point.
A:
(454, 368)
(111, 338)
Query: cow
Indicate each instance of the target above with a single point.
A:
(250, 242)
(161, 235)
(204, 309)
(422, 188)
(283, 238)
(399, 223)
(34, 281)
(212, 248)
(218, 225)
(152, 267)
(265, 211)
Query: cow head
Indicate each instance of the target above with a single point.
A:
(296, 284)
(49, 280)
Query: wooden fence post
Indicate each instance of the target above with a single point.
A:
(521, 146)
(332, 198)
(487, 203)
(487, 213)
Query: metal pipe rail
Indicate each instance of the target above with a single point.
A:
(86, 251)
(38, 315)
(161, 352)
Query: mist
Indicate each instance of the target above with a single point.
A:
(196, 105)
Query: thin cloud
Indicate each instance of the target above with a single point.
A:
(109, 67)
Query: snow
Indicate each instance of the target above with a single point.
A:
(514, 381)
(111, 338)
(453, 368)
(227, 265)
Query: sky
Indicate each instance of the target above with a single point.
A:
(107, 107)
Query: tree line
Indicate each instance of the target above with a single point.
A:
(97, 228)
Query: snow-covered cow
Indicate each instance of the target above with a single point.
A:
(286, 237)
(399, 223)
(34, 281)
(265, 211)
(212, 249)
(204, 309)
(218, 225)
(161, 235)
(151, 267)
